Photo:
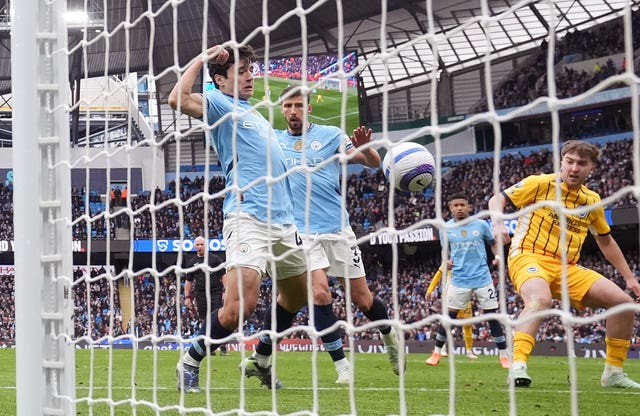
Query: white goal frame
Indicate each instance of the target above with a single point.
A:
(45, 365)
(45, 347)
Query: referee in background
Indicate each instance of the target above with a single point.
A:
(195, 286)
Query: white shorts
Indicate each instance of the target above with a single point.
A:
(459, 297)
(248, 240)
(337, 252)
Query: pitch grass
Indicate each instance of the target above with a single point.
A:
(481, 388)
(326, 112)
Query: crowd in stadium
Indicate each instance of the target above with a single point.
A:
(6, 211)
(95, 320)
(8, 311)
(316, 66)
(529, 80)
(98, 313)
(95, 298)
(367, 195)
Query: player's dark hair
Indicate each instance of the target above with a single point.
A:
(457, 195)
(291, 91)
(583, 149)
(245, 53)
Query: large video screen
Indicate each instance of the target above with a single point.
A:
(321, 75)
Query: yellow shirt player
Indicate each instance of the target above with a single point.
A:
(536, 252)
(462, 314)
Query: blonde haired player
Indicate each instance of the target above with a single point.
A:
(536, 258)
(462, 314)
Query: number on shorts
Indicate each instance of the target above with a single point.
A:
(356, 255)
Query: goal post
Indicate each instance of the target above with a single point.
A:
(45, 370)
(150, 229)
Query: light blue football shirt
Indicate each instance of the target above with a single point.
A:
(256, 148)
(468, 253)
(318, 145)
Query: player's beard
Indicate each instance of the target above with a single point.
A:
(295, 126)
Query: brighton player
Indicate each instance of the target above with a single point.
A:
(324, 224)
(536, 258)
(258, 213)
(467, 312)
(469, 273)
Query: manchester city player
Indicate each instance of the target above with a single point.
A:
(311, 151)
(258, 214)
(469, 273)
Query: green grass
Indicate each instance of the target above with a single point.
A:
(326, 112)
(480, 387)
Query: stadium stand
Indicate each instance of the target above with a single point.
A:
(528, 81)
(367, 194)
(93, 320)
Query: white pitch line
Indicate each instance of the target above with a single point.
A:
(333, 118)
(606, 392)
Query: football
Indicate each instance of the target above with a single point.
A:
(409, 167)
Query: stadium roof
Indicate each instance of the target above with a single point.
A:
(396, 46)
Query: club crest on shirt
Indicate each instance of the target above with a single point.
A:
(475, 233)
(582, 214)
(244, 248)
(297, 145)
(316, 145)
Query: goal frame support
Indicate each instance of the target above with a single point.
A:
(45, 365)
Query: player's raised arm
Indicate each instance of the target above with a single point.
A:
(369, 156)
(181, 97)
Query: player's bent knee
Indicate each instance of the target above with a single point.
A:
(363, 303)
(321, 295)
(361, 297)
(535, 303)
(623, 316)
(622, 298)
(229, 318)
(232, 309)
(292, 302)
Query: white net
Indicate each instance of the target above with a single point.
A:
(145, 184)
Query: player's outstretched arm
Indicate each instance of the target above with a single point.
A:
(369, 156)
(181, 98)
(612, 252)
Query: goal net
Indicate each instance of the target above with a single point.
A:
(112, 186)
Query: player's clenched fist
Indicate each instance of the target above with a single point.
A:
(215, 55)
